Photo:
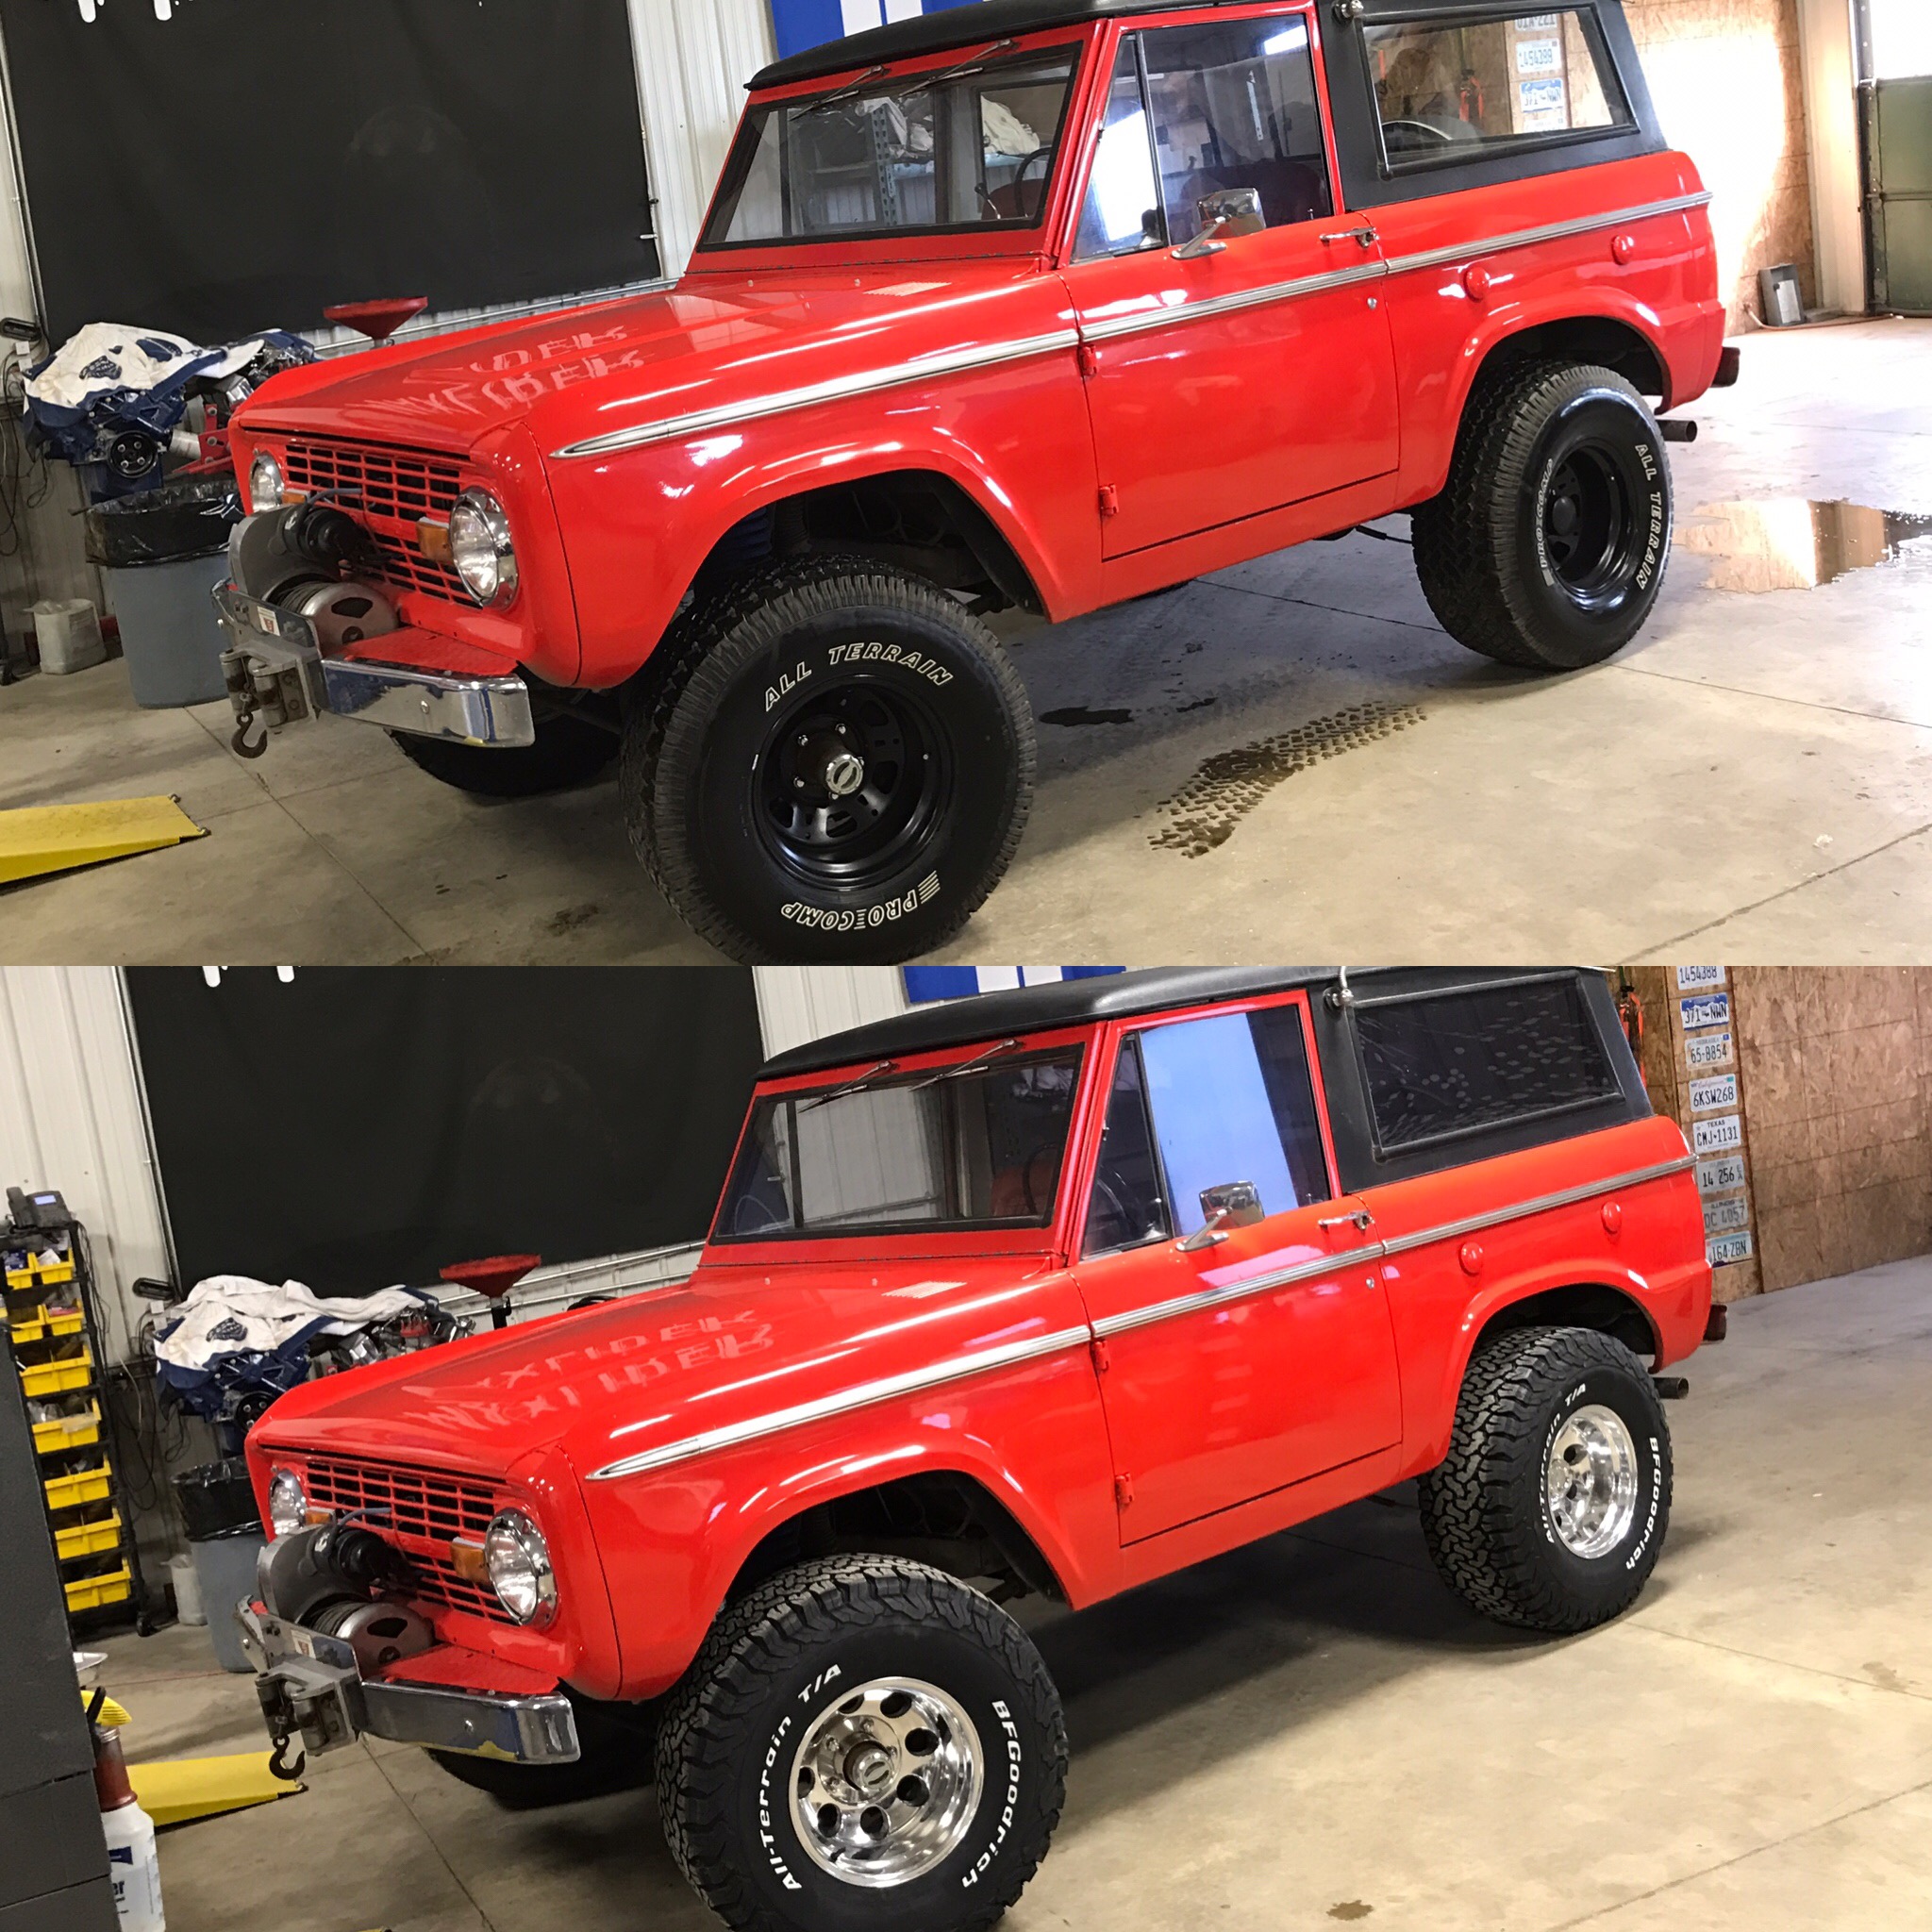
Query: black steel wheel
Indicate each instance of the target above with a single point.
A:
(833, 763)
(1547, 548)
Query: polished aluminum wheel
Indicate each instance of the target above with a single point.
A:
(886, 1782)
(1590, 1481)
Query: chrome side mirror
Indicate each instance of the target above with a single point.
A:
(1235, 1204)
(1229, 212)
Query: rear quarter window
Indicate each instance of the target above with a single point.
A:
(1448, 1066)
(1448, 94)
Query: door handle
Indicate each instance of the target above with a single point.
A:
(1361, 1221)
(1365, 235)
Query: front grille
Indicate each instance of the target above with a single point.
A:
(423, 1511)
(401, 485)
(389, 492)
(408, 569)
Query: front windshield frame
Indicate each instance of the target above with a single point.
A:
(1018, 1231)
(953, 68)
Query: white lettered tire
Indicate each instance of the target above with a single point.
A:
(863, 1746)
(836, 763)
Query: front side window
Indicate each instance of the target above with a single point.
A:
(1234, 1130)
(1196, 112)
(1444, 94)
(970, 147)
(979, 1145)
(1460, 1062)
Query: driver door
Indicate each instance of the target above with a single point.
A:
(1243, 1320)
(1235, 370)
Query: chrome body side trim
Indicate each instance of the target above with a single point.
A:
(1569, 1197)
(1113, 327)
(1554, 231)
(867, 382)
(991, 356)
(1011, 1354)
(912, 1382)
(1236, 1290)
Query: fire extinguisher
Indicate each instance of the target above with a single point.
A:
(1470, 99)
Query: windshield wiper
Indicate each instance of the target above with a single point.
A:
(858, 1085)
(965, 1067)
(909, 83)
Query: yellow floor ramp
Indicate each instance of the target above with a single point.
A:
(45, 839)
(181, 1789)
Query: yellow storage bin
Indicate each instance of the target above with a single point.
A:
(68, 1432)
(41, 1326)
(88, 1540)
(91, 1592)
(83, 1485)
(56, 1379)
(36, 1273)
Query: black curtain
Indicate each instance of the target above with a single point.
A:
(353, 1129)
(250, 162)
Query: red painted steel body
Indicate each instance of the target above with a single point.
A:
(1123, 1454)
(1217, 438)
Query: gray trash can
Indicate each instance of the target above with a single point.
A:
(163, 553)
(224, 1569)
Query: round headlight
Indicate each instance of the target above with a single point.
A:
(266, 484)
(480, 547)
(287, 1503)
(517, 1560)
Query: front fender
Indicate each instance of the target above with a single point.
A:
(673, 1541)
(638, 525)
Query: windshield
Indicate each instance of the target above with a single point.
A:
(979, 1145)
(967, 148)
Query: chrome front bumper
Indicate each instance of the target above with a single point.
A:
(310, 1684)
(277, 671)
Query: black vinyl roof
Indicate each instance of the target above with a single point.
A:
(1036, 1008)
(975, 25)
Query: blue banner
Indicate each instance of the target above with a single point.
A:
(925, 984)
(802, 25)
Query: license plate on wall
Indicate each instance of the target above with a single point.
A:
(1719, 1136)
(1720, 1177)
(1729, 1250)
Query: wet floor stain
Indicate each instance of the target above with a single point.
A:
(1350, 1908)
(1079, 714)
(1203, 813)
(1786, 543)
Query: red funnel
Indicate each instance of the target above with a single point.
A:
(377, 320)
(493, 1278)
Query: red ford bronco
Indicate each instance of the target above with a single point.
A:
(1048, 1294)
(1033, 305)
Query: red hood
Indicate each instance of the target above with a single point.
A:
(710, 342)
(613, 1382)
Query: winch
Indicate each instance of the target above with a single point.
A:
(306, 555)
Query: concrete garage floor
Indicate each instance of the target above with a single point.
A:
(1754, 778)
(1313, 1729)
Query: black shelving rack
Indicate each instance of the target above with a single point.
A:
(54, 1331)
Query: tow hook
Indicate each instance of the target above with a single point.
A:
(1670, 1388)
(259, 693)
(277, 1707)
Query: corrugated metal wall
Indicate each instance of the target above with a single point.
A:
(71, 1118)
(801, 1003)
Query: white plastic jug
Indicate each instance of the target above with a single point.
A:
(187, 1590)
(69, 633)
(134, 1869)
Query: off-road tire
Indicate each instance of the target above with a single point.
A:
(567, 751)
(617, 1746)
(708, 725)
(1482, 547)
(1484, 1513)
(761, 1680)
